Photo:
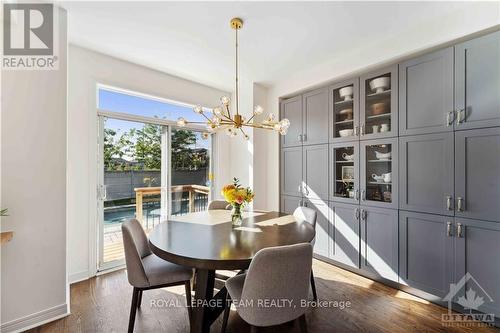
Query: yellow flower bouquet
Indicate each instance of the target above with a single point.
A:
(238, 197)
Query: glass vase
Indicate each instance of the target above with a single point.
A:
(236, 218)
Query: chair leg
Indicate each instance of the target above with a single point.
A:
(313, 286)
(253, 329)
(226, 314)
(139, 300)
(133, 310)
(302, 323)
(187, 286)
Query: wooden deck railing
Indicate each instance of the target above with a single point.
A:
(141, 192)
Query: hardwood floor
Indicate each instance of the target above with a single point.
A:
(102, 304)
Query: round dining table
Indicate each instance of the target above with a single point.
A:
(207, 241)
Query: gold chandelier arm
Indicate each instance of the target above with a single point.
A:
(259, 126)
(206, 117)
(228, 112)
(248, 121)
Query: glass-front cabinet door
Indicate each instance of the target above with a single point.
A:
(344, 172)
(344, 111)
(379, 104)
(379, 173)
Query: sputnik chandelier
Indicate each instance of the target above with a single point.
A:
(222, 119)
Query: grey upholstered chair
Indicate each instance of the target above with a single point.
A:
(218, 204)
(147, 271)
(309, 215)
(263, 283)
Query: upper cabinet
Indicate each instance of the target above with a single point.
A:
(344, 111)
(477, 82)
(426, 94)
(379, 104)
(292, 110)
(315, 117)
(477, 174)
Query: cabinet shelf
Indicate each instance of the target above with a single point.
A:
(344, 122)
(344, 102)
(379, 116)
(344, 181)
(344, 162)
(378, 183)
(379, 161)
(385, 93)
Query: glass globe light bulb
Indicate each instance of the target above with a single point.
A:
(258, 110)
(181, 122)
(283, 130)
(277, 127)
(217, 110)
(198, 109)
(215, 120)
(225, 100)
(271, 117)
(285, 122)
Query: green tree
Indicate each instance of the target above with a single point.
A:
(148, 146)
(181, 151)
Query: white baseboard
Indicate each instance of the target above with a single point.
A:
(77, 277)
(35, 319)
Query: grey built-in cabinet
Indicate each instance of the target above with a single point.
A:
(477, 82)
(344, 235)
(412, 192)
(426, 94)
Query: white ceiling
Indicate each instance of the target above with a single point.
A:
(193, 39)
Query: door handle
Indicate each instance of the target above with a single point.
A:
(300, 203)
(304, 137)
(363, 214)
(460, 116)
(460, 204)
(362, 129)
(299, 189)
(363, 195)
(299, 137)
(356, 130)
(102, 192)
(356, 194)
(448, 202)
(356, 213)
(448, 229)
(459, 230)
(450, 116)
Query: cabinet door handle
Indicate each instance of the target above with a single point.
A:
(450, 116)
(300, 203)
(363, 214)
(362, 129)
(448, 202)
(299, 137)
(460, 116)
(299, 189)
(448, 229)
(356, 213)
(356, 130)
(305, 204)
(459, 230)
(304, 137)
(460, 204)
(356, 194)
(363, 195)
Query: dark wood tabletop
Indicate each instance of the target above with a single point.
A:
(209, 241)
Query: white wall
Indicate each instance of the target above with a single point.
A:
(86, 70)
(33, 173)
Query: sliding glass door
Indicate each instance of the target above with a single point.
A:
(132, 181)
